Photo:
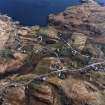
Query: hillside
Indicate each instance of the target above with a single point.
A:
(60, 64)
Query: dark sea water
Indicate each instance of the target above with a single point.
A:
(34, 12)
(102, 2)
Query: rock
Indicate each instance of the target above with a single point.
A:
(13, 65)
(42, 92)
(82, 92)
(35, 28)
(69, 91)
(7, 32)
(22, 32)
(15, 96)
(88, 19)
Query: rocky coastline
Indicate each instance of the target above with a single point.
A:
(60, 64)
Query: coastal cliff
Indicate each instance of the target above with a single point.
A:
(60, 64)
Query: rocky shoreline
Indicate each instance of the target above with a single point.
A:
(60, 64)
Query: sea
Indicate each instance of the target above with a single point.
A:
(34, 12)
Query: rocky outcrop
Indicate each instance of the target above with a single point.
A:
(13, 65)
(7, 32)
(87, 18)
(54, 91)
(15, 96)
